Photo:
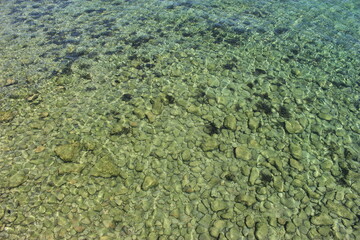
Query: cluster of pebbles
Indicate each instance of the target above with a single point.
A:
(219, 132)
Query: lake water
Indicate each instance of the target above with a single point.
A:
(156, 119)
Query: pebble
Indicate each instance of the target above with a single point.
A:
(217, 227)
(213, 81)
(193, 109)
(261, 230)
(70, 168)
(293, 127)
(340, 210)
(157, 106)
(243, 152)
(253, 123)
(325, 116)
(249, 221)
(150, 116)
(109, 223)
(2, 211)
(245, 199)
(10, 81)
(290, 227)
(230, 122)
(119, 129)
(233, 234)
(149, 182)
(205, 236)
(68, 152)
(139, 113)
(310, 192)
(324, 230)
(289, 202)
(209, 144)
(121, 190)
(105, 167)
(175, 213)
(322, 219)
(296, 151)
(39, 149)
(16, 180)
(218, 205)
(326, 165)
(296, 164)
(186, 155)
(254, 175)
(278, 183)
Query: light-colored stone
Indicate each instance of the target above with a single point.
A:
(310, 192)
(243, 152)
(325, 116)
(254, 175)
(149, 182)
(217, 227)
(249, 221)
(186, 155)
(340, 210)
(213, 82)
(16, 180)
(233, 234)
(261, 231)
(6, 116)
(322, 219)
(290, 227)
(157, 106)
(278, 183)
(193, 109)
(296, 164)
(253, 123)
(230, 122)
(293, 126)
(70, 168)
(209, 144)
(246, 199)
(105, 167)
(68, 152)
(2, 211)
(327, 165)
(150, 116)
(218, 205)
(109, 223)
(296, 151)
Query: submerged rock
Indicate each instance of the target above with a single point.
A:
(16, 180)
(149, 182)
(322, 219)
(68, 152)
(230, 122)
(293, 127)
(209, 144)
(105, 167)
(246, 199)
(261, 230)
(243, 152)
(6, 116)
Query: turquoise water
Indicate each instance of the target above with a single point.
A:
(179, 119)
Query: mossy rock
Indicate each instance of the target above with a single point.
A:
(105, 167)
(68, 152)
(6, 116)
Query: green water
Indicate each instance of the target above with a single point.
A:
(179, 119)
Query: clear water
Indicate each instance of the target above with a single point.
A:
(179, 119)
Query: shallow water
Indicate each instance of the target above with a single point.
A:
(179, 119)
